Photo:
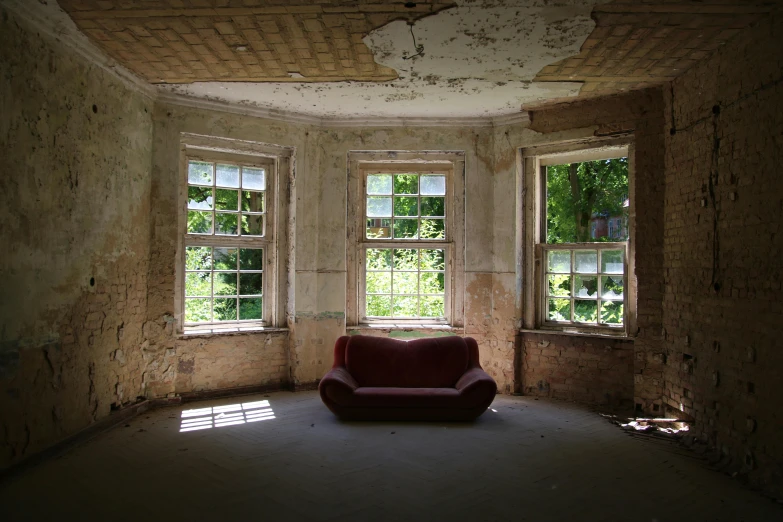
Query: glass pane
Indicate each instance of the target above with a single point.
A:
(379, 258)
(433, 185)
(200, 198)
(226, 199)
(585, 311)
(559, 310)
(432, 306)
(559, 261)
(251, 258)
(378, 306)
(252, 201)
(433, 206)
(406, 206)
(225, 258)
(432, 229)
(406, 259)
(406, 183)
(406, 282)
(198, 284)
(251, 308)
(434, 259)
(405, 306)
(253, 179)
(226, 224)
(560, 285)
(199, 222)
(379, 207)
(612, 287)
(378, 228)
(253, 225)
(612, 312)
(200, 173)
(380, 184)
(585, 286)
(198, 258)
(198, 310)
(225, 283)
(586, 261)
(227, 175)
(251, 284)
(432, 283)
(406, 228)
(226, 309)
(378, 282)
(612, 261)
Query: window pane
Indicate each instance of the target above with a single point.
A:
(406, 206)
(226, 309)
(227, 175)
(198, 284)
(198, 258)
(432, 229)
(406, 228)
(199, 222)
(586, 261)
(585, 311)
(200, 198)
(380, 184)
(559, 310)
(612, 312)
(198, 310)
(252, 201)
(225, 283)
(251, 284)
(433, 206)
(406, 282)
(225, 258)
(406, 306)
(585, 286)
(433, 259)
(226, 199)
(253, 225)
(251, 258)
(253, 178)
(559, 261)
(378, 306)
(406, 183)
(559, 285)
(432, 283)
(379, 258)
(378, 228)
(378, 282)
(226, 224)
(200, 173)
(612, 287)
(612, 261)
(432, 306)
(379, 207)
(251, 308)
(433, 185)
(406, 259)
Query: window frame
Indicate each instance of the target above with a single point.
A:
(362, 164)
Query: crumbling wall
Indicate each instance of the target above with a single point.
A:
(722, 305)
(75, 142)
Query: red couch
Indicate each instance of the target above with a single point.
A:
(376, 378)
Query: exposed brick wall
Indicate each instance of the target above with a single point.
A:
(723, 243)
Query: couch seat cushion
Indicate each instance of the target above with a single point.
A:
(389, 397)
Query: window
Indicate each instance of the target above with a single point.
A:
(404, 242)
(582, 259)
(230, 242)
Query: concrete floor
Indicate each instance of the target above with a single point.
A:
(526, 459)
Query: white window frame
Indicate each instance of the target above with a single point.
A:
(532, 237)
(362, 164)
(277, 161)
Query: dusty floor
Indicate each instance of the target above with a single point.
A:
(524, 460)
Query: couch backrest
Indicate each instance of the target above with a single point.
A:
(422, 363)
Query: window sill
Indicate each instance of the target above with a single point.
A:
(412, 328)
(190, 333)
(600, 335)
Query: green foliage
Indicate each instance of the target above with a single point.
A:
(410, 273)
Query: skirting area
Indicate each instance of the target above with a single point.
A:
(283, 456)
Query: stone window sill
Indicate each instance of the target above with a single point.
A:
(599, 335)
(405, 330)
(190, 333)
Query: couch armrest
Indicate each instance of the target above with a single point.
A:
(476, 378)
(337, 387)
(339, 376)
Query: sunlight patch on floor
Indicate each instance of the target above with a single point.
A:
(227, 415)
